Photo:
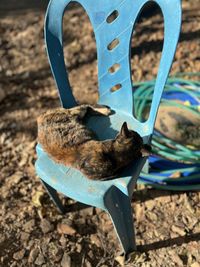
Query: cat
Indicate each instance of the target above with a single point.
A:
(66, 139)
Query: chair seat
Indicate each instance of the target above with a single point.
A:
(74, 184)
(106, 127)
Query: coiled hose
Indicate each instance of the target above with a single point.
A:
(172, 166)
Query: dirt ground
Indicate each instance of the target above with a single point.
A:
(32, 232)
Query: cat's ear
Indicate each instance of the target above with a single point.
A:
(124, 130)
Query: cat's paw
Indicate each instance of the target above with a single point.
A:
(103, 110)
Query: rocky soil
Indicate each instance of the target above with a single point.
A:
(32, 232)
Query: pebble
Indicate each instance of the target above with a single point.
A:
(87, 263)
(67, 221)
(66, 260)
(28, 227)
(139, 212)
(44, 245)
(150, 204)
(63, 240)
(13, 264)
(152, 216)
(175, 257)
(46, 226)
(40, 260)
(65, 229)
(2, 94)
(164, 199)
(91, 254)
(19, 254)
(78, 248)
(178, 230)
(53, 249)
(195, 264)
(87, 212)
(95, 240)
(33, 255)
(25, 236)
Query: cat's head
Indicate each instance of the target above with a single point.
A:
(131, 138)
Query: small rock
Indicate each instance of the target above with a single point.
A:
(95, 240)
(24, 236)
(16, 177)
(19, 254)
(175, 257)
(195, 264)
(33, 255)
(30, 244)
(14, 264)
(2, 94)
(87, 212)
(40, 260)
(178, 230)
(189, 222)
(67, 221)
(66, 260)
(152, 216)
(44, 245)
(173, 235)
(53, 249)
(188, 206)
(87, 263)
(164, 199)
(9, 73)
(28, 227)
(150, 204)
(46, 226)
(120, 259)
(63, 240)
(91, 254)
(80, 221)
(139, 212)
(65, 229)
(78, 248)
(136, 257)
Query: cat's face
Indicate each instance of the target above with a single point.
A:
(131, 139)
(127, 136)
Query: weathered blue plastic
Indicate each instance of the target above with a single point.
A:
(112, 196)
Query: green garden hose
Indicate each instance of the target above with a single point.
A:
(185, 158)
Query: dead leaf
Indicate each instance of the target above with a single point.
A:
(36, 199)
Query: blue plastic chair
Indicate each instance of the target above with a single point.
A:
(114, 195)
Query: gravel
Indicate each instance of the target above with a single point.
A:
(32, 232)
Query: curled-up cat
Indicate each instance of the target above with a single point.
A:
(66, 139)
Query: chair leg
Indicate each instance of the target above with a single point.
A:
(119, 207)
(54, 196)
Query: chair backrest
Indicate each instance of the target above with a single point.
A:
(113, 23)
